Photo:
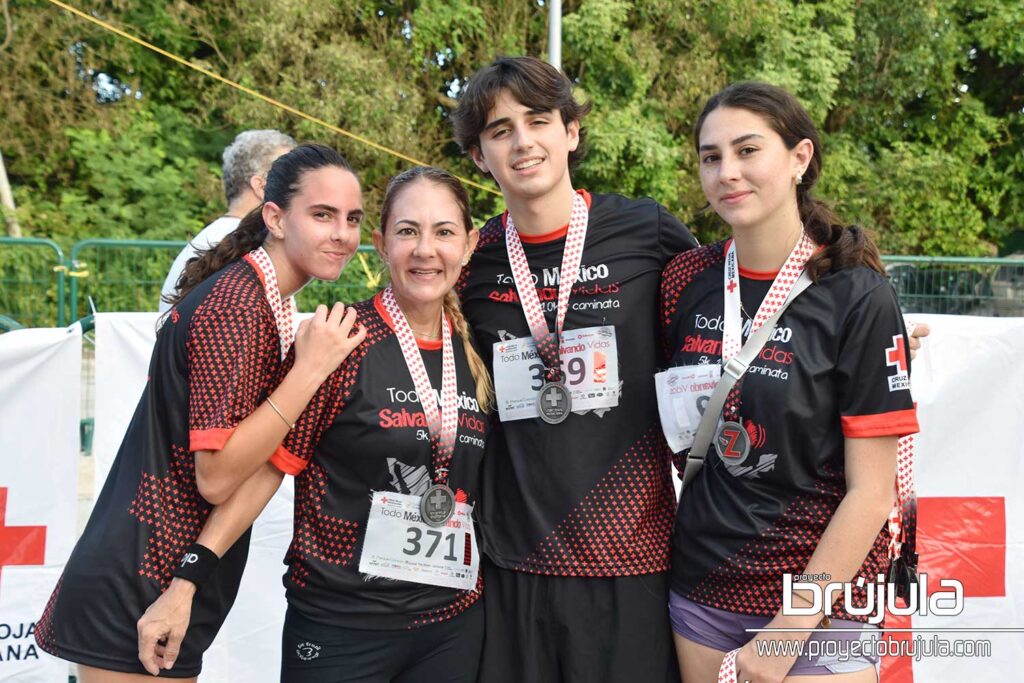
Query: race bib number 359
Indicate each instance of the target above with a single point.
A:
(400, 546)
(590, 364)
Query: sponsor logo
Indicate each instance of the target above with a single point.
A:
(189, 558)
(307, 651)
(896, 356)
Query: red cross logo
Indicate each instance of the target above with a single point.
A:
(732, 286)
(897, 354)
(19, 545)
(958, 538)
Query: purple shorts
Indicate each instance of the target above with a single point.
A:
(725, 631)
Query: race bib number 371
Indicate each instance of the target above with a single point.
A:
(590, 364)
(398, 545)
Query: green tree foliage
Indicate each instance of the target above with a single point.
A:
(921, 104)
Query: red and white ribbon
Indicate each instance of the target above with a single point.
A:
(443, 419)
(284, 310)
(572, 256)
(785, 280)
(727, 672)
(906, 497)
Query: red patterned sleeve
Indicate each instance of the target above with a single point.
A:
(300, 443)
(233, 360)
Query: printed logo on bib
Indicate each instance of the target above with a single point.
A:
(896, 356)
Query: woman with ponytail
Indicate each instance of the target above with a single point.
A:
(382, 580)
(799, 478)
(227, 379)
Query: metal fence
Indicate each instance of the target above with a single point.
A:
(960, 286)
(127, 275)
(39, 287)
(119, 275)
(32, 282)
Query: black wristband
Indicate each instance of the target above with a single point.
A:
(196, 564)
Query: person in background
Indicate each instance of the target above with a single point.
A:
(246, 162)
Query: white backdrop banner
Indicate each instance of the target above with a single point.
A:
(967, 381)
(40, 403)
(248, 647)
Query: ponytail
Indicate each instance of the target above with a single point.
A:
(844, 246)
(249, 235)
(484, 387)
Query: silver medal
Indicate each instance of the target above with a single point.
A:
(437, 505)
(554, 403)
(732, 443)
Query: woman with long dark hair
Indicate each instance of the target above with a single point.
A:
(799, 478)
(224, 388)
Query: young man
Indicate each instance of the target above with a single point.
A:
(577, 504)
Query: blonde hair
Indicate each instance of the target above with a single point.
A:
(484, 386)
(452, 308)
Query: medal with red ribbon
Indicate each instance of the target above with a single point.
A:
(732, 442)
(437, 505)
(554, 402)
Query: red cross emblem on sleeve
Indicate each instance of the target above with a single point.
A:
(957, 538)
(897, 354)
(19, 545)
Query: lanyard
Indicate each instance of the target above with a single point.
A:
(284, 310)
(572, 256)
(777, 294)
(443, 426)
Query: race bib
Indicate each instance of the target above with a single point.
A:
(400, 546)
(590, 363)
(683, 393)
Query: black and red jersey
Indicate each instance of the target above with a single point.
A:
(217, 357)
(365, 431)
(591, 496)
(835, 368)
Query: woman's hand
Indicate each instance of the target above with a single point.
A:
(163, 626)
(918, 331)
(325, 340)
(763, 661)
